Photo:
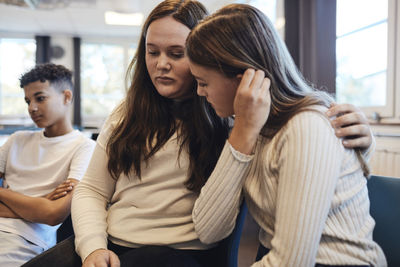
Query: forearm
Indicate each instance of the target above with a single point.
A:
(216, 209)
(36, 209)
(89, 205)
(6, 212)
(243, 139)
(89, 217)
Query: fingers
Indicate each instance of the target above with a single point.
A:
(68, 184)
(251, 83)
(338, 109)
(62, 189)
(114, 260)
(265, 92)
(354, 130)
(351, 124)
(65, 187)
(358, 118)
(361, 142)
(251, 107)
(356, 136)
(102, 258)
(55, 195)
(257, 80)
(246, 80)
(253, 90)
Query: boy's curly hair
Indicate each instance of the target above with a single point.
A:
(58, 76)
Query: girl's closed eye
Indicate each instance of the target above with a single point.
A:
(177, 54)
(151, 52)
(201, 84)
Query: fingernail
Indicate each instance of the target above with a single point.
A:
(339, 132)
(345, 142)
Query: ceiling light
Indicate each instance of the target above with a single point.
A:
(128, 19)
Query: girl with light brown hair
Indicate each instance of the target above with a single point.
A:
(306, 191)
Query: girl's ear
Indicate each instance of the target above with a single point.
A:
(67, 96)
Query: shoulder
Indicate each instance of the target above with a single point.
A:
(311, 117)
(25, 134)
(309, 125)
(84, 140)
(309, 132)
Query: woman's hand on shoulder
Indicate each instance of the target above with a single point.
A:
(251, 106)
(101, 258)
(351, 124)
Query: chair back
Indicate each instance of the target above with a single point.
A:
(65, 230)
(384, 195)
(230, 245)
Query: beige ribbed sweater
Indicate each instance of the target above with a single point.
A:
(304, 189)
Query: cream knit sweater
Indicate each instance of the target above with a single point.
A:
(156, 210)
(304, 189)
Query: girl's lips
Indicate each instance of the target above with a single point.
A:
(164, 80)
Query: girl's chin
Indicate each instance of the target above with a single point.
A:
(223, 114)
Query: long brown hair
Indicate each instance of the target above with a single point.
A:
(149, 120)
(238, 37)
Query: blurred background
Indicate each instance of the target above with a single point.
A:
(349, 48)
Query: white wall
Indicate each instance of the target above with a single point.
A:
(386, 159)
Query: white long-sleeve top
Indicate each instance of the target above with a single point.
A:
(156, 210)
(303, 188)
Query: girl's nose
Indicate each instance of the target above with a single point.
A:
(163, 62)
(201, 91)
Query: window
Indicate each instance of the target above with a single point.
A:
(103, 68)
(365, 55)
(274, 10)
(16, 57)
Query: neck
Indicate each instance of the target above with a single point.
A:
(58, 130)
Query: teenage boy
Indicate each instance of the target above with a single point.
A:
(34, 163)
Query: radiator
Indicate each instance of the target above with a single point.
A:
(385, 162)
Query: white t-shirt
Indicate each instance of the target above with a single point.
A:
(34, 165)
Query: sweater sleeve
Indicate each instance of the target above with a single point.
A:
(90, 200)
(217, 207)
(309, 168)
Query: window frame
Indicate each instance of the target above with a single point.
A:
(96, 121)
(16, 120)
(390, 113)
(396, 75)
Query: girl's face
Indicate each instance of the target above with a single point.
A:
(219, 90)
(166, 62)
